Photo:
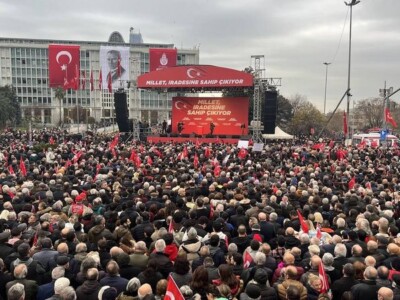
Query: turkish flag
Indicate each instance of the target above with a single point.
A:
(161, 58)
(149, 160)
(109, 83)
(352, 183)
(247, 260)
(63, 61)
(196, 161)
(173, 292)
(304, 225)
(100, 80)
(389, 118)
(242, 153)
(324, 279)
(319, 233)
(22, 167)
(344, 123)
(91, 81)
(133, 155)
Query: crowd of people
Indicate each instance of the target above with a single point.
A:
(104, 217)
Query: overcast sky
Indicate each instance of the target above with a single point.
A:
(295, 36)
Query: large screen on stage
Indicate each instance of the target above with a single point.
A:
(228, 115)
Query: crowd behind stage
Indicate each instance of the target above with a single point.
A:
(104, 217)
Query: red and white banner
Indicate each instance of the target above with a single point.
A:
(195, 76)
(247, 260)
(228, 115)
(161, 58)
(64, 66)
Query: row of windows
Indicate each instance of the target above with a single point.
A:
(33, 90)
(34, 100)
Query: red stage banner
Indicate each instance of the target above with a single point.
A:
(64, 66)
(195, 76)
(229, 115)
(161, 58)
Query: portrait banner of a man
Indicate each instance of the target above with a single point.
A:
(114, 63)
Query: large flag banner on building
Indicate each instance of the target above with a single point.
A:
(115, 64)
(227, 114)
(64, 61)
(161, 58)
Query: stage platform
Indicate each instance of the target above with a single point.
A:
(203, 140)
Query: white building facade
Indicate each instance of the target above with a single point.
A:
(24, 65)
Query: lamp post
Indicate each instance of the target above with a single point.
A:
(351, 4)
(326, 83)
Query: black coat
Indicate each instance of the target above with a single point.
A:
(367, 289)
(342, 285)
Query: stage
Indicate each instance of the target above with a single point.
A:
(202, 140)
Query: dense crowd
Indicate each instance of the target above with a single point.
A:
(105, 217)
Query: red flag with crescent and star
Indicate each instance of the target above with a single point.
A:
(389, 118)
(63, 59)
(173, 292)
(304, 225)
(324, 279)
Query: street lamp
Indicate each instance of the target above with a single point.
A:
(351, 4)
(326, 83)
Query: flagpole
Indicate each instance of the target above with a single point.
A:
(77, 109)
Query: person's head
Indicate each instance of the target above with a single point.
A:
(112, 268)
(260, 259)
(327, 259)
(161, 288)
(383, 272)
(144, 290)
(370, 273)
(314, 282)
(199, 278)
(340, 250)
(20, 271)
(288, 258)
(92, 274)
(348, 270)
(385, 293)
(370, 261)
(160, 245)
(16, 292)
(68, 293)
(57, 272)
(291, 272)
(182, 265)
(60, 284)
(112, 59)
(292, 293)
(133, 285)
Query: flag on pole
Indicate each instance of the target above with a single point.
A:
(91, 81)
(11, 170)
(352, 183)
(344, 123)
(100, 80)
(304, 225)
(173, 292)
(196, 161)
(22, 167)
(109, 83)
(319, 233)
(389, 118)
(171, 226)
(324, 279)
(247, 260)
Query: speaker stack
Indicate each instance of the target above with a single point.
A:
(121, 112)
(271, 105)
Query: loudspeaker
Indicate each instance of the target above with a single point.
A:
(270, 108)
(121, 112)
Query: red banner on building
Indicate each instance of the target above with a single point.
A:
(161, 58)
(227, 116)
(64, 66)
(195, 76)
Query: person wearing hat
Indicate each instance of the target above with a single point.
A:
(107, 293)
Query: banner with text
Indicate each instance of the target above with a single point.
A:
(228, 115)
(161, 58)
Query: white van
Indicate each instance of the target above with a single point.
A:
(374, 138)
